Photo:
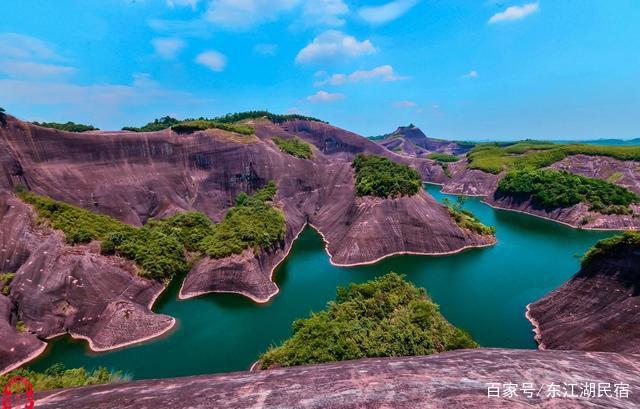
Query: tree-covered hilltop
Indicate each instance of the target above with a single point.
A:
(498, 157)
(629, 239)
(552, 189)
(187, 127)
(58, 377)
(160, 247)
(155, 125)
(294, 147)
(217, 122)
(381, 177)
(69, 126)
(384, 317)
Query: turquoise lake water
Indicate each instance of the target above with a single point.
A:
(484, 291)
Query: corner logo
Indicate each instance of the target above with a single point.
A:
(28, 393)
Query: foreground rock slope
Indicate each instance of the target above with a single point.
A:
(133, 177)
(456, 379)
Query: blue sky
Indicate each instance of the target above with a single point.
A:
(566, 69)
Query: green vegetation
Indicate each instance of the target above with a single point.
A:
(497, 157)
(2, 111)
(187, 127)
(157, 125)
(384, 317)
(465, 219)
(5, 281)
(160, 247)
(443, 157)
(554, 189)
(294, 147)
(616, 176)
(275, 118)
(21, 327)
(57, 377)
(222, 122)
(381, 177)
(603, 247)
(69, 126)
(252, 223)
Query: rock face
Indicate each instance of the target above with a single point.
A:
(623, 173)
(411, 141)
(134, 177)
(458, 379)
(597, 310)
(59, 289)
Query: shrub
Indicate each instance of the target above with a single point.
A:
(552, 189)
(294, 147)
(381, 177)
(57, 377)
(465, 219)
(5, 281)
(607, 246)
(69, 126)
(201, 125)
(157, 125)
(380, 318)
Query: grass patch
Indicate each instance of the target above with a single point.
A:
(381, 177)
(443, 157)
(616, 176)
(495, 157)
(58, 377)
(294, 147)
(607, 246)
(465, 219)
(160, 247)
(552, 189)
(381, 318)
(69, 126)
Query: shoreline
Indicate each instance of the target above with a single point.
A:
(397, 253)
(27, 359)
(559, 221)
(536, 328)
(448, 193)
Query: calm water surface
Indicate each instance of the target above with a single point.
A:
(484, 291)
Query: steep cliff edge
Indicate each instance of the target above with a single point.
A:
(137, 176)
(599, 308)
(456, 379)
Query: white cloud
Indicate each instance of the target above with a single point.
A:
(325, 12)
(471, 74)
(384, 73)
(168, 48)
(29, 69)
(334, 44)
(405, 104)
(515, 13)
(324, 96)
(18, 46)
(183, 3)
(213, 60)
(242, 14)
(386, 12)
(265, 49)
(95, 103)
